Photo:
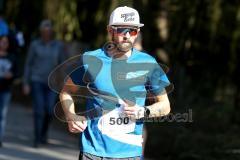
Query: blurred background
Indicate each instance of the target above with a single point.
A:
(197, 39)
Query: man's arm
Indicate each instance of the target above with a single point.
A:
(161, 107)
(27, 69)
(76, 123)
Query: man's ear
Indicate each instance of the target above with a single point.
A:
(109, 29)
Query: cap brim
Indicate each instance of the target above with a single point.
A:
(127, 24)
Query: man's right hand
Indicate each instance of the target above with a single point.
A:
(77, 126)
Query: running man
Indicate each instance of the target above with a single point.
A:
(125, 74)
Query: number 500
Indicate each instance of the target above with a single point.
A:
(119, 121)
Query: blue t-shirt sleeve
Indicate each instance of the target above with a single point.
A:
(77, 75)
(158, 80)
(88, 67)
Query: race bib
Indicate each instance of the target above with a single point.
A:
(115, 122)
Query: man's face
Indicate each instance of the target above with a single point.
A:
(46, 33)
(124, 36)
(4, 43)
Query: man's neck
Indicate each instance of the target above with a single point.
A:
(3, 53)
(121, 55)
(46, 40)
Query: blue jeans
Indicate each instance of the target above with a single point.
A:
(44, 100)
(5, 97)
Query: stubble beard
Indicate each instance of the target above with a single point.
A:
(124, 46)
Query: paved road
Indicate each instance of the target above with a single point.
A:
(17, 144)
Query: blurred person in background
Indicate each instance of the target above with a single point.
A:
(44, 55)
(4, 30)
(8, 72)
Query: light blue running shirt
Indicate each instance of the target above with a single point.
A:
(113, 135)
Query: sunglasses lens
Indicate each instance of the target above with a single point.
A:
(123, 31)
(133, 32)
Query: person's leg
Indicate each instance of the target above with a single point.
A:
(38, 110)
(1, 117)
(4, 102)
(50, 99)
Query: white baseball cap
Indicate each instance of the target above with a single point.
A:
(125, 16)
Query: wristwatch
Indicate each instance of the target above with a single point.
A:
(146, 112)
